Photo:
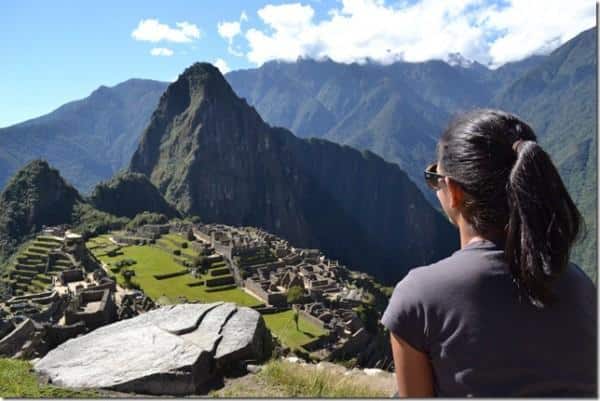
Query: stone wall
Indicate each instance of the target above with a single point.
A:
(56, 335)
(355, 344)
(106, 312)
(256, 289)
(13, 341)
(69, 276)
(277, 299)
(214, 282)
(318, 343)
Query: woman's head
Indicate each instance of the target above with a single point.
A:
(502, 182)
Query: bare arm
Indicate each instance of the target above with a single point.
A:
(413, 370)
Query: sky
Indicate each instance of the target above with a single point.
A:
(53, 52)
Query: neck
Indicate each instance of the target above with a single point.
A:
(468, 234)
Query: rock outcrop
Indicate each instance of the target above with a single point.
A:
(212, 155)
(174, 350)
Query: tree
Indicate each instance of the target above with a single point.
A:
(197, 261)
(296, 319)
(295, 295)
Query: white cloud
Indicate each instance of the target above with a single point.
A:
(358, 30)
(228, 30)
(161, 51)
(222, 65)
(534, 28)
(151, 30)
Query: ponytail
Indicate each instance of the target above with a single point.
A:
(543, 223)
(512, 192)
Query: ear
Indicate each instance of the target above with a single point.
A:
(456, 193)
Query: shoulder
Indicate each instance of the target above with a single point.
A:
(444, 273)
(407, 312)
(437, 285)
(578, 281)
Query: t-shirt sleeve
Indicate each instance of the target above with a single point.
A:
(405, 314)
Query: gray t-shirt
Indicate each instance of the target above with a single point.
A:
(464, 313)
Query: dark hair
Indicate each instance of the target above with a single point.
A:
(513, 189)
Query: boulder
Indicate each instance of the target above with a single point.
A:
(172, 350)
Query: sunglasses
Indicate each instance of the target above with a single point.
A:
(432, 178)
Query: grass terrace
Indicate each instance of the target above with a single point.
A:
(283, 326)
(27, 271)
(152, 261)
(174, 241)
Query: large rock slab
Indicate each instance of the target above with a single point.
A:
(172, 350)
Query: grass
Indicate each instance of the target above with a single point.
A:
(17, 380)
(283, 379)
(173, 241)
(155, 261)
(283, 326)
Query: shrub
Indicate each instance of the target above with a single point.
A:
(184, 245)
(177, 252)
(146, 218)
(295, 295)
(128, 274)
(125, 262)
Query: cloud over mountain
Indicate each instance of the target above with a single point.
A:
(490, 32)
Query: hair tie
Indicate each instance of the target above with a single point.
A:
(516, 145)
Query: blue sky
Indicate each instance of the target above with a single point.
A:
(53, 52)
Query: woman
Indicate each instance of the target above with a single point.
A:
(506, 314)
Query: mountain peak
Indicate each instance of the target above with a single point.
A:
(35, 196)
(211, 154)
(458, 60)
(203, 75)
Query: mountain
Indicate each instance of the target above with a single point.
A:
(129, 194)
(88, 140)
(558, 98)
(36, 196)
(399, 111)
(212, 155)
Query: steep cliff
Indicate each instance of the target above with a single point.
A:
(211, 154)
